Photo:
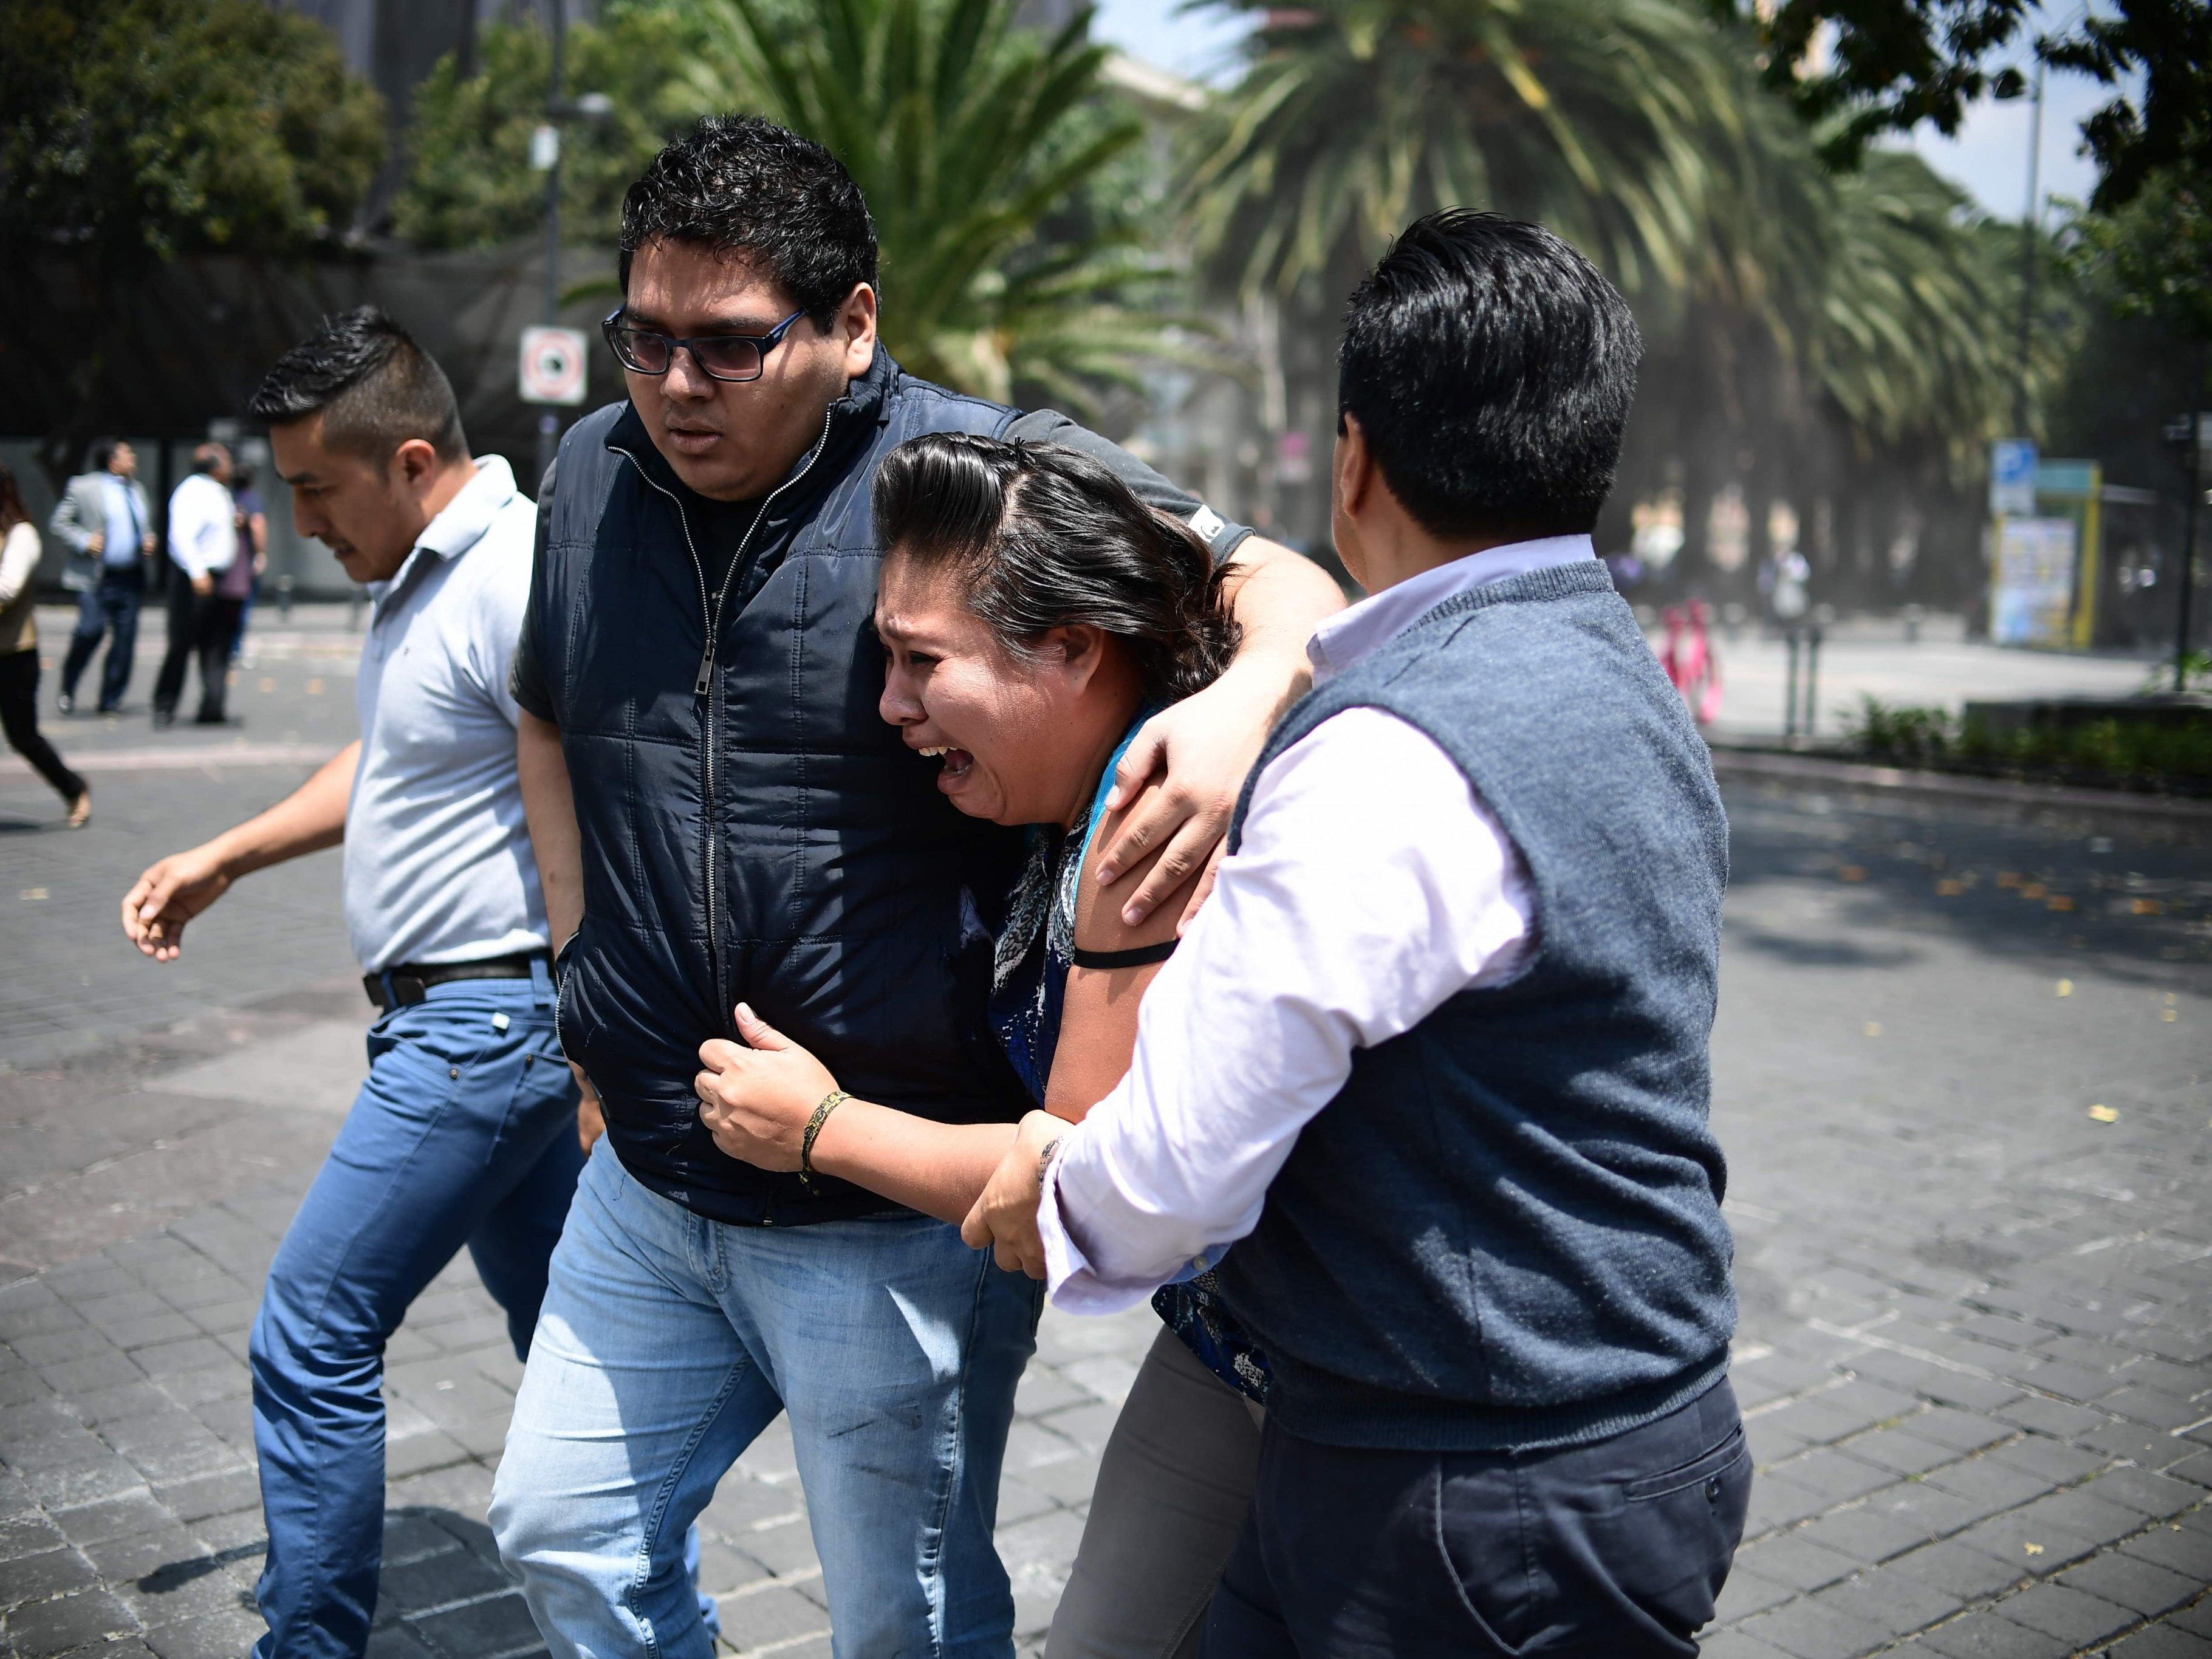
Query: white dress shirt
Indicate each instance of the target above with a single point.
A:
(202, 527)
(1370, 886)
(437, 865)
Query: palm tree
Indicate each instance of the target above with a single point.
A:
(970, 137)
(1612, 121)
(1604, 119)
(1802, 327)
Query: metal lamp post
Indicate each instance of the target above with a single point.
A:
(545, 155)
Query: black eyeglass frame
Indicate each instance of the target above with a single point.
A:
(761, 344)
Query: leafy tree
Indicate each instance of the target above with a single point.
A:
(986, 152)
(469, 182)
(2170, 42)
(137, 130)
(1891, 64)
(2153, 259)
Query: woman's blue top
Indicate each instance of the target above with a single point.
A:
(1035, 950)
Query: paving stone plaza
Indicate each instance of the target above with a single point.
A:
(1963, 1077)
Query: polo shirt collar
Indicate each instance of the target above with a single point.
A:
(1354, 632)
(469, 513)
(460, 526)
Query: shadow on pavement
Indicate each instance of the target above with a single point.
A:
(2135, 905)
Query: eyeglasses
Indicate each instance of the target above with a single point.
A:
(723, 357)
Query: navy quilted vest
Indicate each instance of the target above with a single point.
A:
(752, 829)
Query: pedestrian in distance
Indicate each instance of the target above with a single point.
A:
(107, 523)
(721, 816)
(242, 582)
(465, 1131)
(203, 544)
(1422, 1098)
(19, 654)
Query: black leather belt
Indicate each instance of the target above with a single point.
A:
(408, 982)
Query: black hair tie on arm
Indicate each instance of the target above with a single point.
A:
(1143, 956)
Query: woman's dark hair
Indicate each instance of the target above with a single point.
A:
(12, 510)
(1042, 537)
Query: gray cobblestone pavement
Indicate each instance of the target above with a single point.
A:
(1962, 1075)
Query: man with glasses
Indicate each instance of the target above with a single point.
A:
(719, 814)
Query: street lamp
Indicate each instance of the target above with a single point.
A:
(546, 156)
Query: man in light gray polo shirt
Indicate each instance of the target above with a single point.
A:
(466, 1131)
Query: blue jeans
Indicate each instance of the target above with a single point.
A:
(668, 1342)
(112, 604)
(464, 1133)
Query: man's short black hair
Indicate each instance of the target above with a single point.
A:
(373, 387)
(1491, 367)
(750, 190)
(102, 452)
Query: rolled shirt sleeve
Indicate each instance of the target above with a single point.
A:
(1372, 884)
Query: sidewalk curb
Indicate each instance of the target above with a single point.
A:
(1812, 771)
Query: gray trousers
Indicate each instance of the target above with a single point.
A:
(1173, 1490)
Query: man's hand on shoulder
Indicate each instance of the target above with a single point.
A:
(1205, 745)
(170, 894)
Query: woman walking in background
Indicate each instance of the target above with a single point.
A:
(18, 653)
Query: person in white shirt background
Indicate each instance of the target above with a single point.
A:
(203, 542)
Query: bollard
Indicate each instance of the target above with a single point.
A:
(1789, 689)
(1812, 682)
(284, 597)
(353, 612)
(1913, 616)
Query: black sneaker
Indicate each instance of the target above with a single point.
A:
(164, 719)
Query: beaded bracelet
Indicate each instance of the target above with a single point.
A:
(830, 1103)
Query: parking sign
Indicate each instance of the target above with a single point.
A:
(552, 367)
(2012, 479)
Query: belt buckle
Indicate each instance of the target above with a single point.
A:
(408, 989)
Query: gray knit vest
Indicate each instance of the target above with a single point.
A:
(1505, 1232)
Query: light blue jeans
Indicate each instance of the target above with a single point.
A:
(668, 1342)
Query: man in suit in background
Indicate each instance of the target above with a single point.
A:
(107, 523)
(203, 542)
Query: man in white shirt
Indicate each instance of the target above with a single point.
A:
(203, 541)
(465, 1130)
(1422, 1097)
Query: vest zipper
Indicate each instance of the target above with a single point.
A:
(703, 685)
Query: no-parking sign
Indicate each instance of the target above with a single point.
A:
(552, 366)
